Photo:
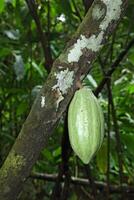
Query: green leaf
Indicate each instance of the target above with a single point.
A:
(22, 108)
(19, 67)
(131, 57)
(102, 157)
(57, 152)
(14, 3)
(2, 4)
(47, 154)
(4, 51)
(12, 34)
(130, 88)
(128, 140)
(37, 68)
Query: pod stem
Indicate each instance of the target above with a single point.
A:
(79, 84)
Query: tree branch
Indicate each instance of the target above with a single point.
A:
(57, 193)
(52, 100)
(117, 135)
(87, 4)
(91, 182)
(42, 35)
(84, 182)
(118, 141)
(113, 67)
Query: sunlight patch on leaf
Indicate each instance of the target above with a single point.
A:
(12, 34)
(19, 67)
(2, 4)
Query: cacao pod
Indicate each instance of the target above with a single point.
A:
(85, 124)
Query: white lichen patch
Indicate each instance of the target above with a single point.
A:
(93, 43)
(64, 81)
(43, 101)
(60, 67)
(60, 98)
(97, 12)
(113, 12)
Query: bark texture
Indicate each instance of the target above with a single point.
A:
(73, 64)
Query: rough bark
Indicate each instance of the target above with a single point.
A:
(73, 64)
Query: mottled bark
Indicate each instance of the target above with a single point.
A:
(72, 65)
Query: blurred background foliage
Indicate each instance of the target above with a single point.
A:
(22, 73)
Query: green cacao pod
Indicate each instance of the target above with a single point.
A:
(85, 124)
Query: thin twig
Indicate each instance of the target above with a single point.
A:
(63, 167)
(113, 67)
(66, 152)
(108, 142)
(42, 35)
(113, 112)
(82, 181)
(118, 141)
(87, 4)
(91, 182)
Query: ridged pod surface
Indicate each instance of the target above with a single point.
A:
(85, 124)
